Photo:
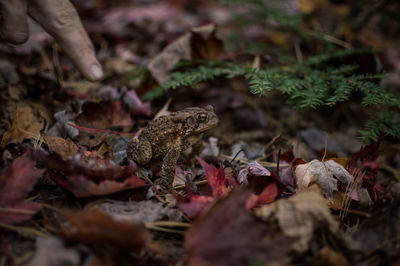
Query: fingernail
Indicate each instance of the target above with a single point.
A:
(97, 72)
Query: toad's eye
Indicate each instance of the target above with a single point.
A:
(202, 117)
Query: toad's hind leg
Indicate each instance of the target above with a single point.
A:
(139, 150)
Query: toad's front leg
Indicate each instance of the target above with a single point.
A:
(169, 164)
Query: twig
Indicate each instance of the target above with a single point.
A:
(99, 130)
(200, 182)
(277, 164)
(326, 147)
(167, 230)
(265, 164)
(26, 231)
(19, 211)
(168, 224)
(299, 54)
(392, 170)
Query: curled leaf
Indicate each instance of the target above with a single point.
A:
(201, 43)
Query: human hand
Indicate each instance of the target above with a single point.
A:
(60, 19)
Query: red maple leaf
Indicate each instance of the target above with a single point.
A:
(84, 179)
(217, 180)
(365, 161)
(15, 184)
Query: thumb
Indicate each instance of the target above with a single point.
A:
(14, 24)
(60, 19)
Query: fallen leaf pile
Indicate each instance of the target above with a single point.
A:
(87, 173)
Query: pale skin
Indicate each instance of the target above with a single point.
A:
(60, 19)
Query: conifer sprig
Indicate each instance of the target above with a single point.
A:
(311, 84)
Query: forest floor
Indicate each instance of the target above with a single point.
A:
(271, 184)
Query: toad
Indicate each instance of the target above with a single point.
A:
(167, 136)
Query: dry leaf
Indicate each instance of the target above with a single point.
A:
(365, 161)
(88, 175)
(27, 124)
(266, 184)
(103, 115)
(97, 228)
(204, 43)
(300, 216)
(66, 148)
(228, 235)
(201, 43)
(15, 184)
(326, 172)
(309, 6)
(329, 257)
(253, 169)
(217, 180)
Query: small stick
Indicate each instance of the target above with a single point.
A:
(99, 130)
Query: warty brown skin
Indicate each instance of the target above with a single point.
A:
(167, 136)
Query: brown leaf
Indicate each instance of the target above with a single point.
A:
(204, 43)
(90, 177)
(103, 115)
(379, 234)
(27, 124)
(89, 164)
(82, 187)
(309, 6)
(300, 216)
(66, 148)
(326, 173)
(228, 235)
(15, 184)
(200, 43)
(327, 256)
(97, 228)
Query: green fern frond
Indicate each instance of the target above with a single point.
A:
(385, 122)
(306, 85)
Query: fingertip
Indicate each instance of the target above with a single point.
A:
(95, 72)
